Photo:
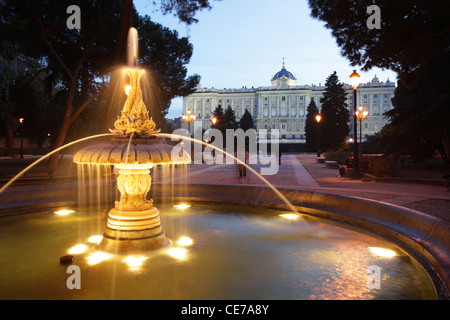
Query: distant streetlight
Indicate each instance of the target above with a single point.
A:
(189, 117)
(318, 118)
(21, 137)
(361, 115)
(354, 80)
(214, 120)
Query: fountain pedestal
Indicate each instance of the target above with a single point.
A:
(134, 223)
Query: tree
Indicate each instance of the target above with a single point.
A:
(165, 56)
(77, 59)
(311, 126)
(20, 96)
(246, 121)
(229, 119)
(413, 41)
(411, 33)
(218, 113)
(420, 121)
(184, 10)
(334, 127)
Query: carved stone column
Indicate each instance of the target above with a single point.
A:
(134, 223)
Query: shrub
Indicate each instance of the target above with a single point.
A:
(339, 155)
(382, 167)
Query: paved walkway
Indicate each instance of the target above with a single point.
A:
(297, 171)
(300, 171)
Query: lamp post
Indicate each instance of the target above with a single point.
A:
(213, 121)
(318, 118)
(354, 80)
(189, 117)
(361, 115)
(21, 138)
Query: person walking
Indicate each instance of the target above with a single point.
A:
(241, 167)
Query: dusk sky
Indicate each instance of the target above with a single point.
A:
(242, 43)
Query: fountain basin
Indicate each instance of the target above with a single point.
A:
(233, 253)
(138, 152)
(423, 237)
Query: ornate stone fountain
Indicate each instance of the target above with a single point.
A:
(134, 223)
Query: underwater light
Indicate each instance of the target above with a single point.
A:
(63, 212)
(182, 206)
(134, 262)
(79, 248)
(98, 257)
(95, 239)
(290, 216)
(381, 252)
(185, 241)
(177, 253)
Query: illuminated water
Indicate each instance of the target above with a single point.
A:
(236, 253)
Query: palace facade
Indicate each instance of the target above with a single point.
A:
(283, 105)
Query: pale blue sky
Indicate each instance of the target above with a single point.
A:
(242, 43)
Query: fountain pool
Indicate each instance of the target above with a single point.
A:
(216, 252)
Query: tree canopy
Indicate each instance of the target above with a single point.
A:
(411, 33)
(78, 63)
(229, 119)
(246, 122)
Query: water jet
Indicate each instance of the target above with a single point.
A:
(134, 223)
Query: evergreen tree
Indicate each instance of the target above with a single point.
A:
(246, 121)
(219, 115)
(334, 127)
(311, 126)
(229, 119)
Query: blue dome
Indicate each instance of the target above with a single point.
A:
(283, 73)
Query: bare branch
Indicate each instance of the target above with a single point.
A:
(84, 105)
(52, 50)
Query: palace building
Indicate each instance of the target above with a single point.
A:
(283, 104)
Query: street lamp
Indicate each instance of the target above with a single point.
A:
(354, 80)
(213, 121)
(318, 118)
(21, 137)
(361, 115)
(189, 118)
